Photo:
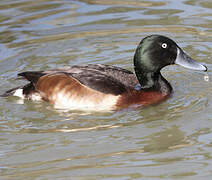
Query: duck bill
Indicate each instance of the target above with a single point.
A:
(184, 60)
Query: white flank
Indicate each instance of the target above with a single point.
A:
(35, 97)
(19, 93)
(106, 103)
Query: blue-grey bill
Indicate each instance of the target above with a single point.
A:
(184, 60)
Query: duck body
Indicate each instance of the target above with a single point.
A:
(104, 87)
(91, 87)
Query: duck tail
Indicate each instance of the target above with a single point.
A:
(18, 91)
(25, 90)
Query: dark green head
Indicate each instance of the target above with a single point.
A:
(155, 52)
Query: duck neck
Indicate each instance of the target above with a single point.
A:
(152, 81)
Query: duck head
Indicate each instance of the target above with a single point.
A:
(155, 52)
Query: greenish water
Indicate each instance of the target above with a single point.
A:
(172, 140)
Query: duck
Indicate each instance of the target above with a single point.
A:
(99, 87)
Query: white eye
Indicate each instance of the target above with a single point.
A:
(164, 45)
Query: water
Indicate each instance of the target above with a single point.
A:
(172, 140)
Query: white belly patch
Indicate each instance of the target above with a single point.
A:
(87, 103)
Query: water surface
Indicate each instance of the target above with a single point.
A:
(172, 140)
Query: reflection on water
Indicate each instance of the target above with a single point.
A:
(167, 141)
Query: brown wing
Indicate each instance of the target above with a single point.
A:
(92, 79)
(100, 77)
(50, 85)
(65, 91)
